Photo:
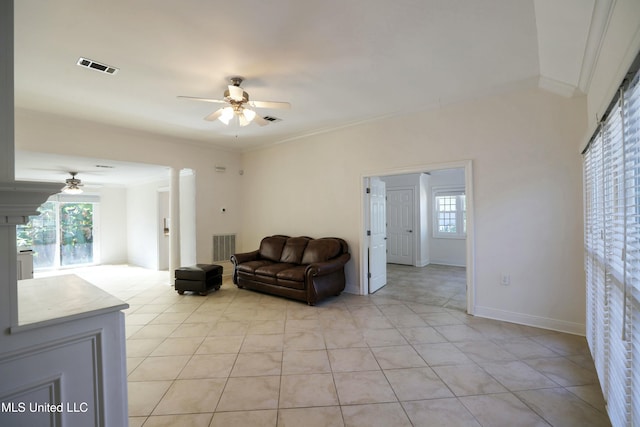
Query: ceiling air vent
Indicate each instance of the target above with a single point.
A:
(97, 66)
(272, 119)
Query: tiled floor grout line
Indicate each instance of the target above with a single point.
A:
(394, 325)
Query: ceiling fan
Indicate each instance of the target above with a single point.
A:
(240, 106)
(73, 184)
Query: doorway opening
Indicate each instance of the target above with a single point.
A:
(420, 244)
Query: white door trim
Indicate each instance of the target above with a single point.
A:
(470, 246)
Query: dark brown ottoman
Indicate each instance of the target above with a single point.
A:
(200, 278)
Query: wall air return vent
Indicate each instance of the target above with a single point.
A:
(97, 66)
(224, 245)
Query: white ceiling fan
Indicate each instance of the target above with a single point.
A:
(240, 106)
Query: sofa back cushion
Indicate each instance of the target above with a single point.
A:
(321, 250)
(271, 247)
(293, 250)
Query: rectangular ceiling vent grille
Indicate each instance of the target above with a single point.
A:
(93, 65)
(272, 119)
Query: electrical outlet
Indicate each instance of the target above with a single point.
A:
(505, 279)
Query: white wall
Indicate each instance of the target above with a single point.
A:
(113, 225)
(527, 184)
(446, 251)
(143, 224)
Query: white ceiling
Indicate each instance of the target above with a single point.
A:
(92, 172)
(338, 62)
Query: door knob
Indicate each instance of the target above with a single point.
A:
(409, 231)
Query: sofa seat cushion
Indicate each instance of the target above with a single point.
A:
(272, 270)
(268, 273)
(250, 266)
(292, 277)
(294, 273)
(291, 284)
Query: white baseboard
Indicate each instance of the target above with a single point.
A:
(352, 289)
(447, 263)
(529, 320)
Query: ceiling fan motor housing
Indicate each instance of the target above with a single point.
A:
(73, 180)
(240, 97)
(235, 94)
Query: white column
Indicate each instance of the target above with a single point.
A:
(7, 153)
(8, 257)
(174, 232)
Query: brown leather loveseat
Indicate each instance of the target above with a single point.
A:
(301, 268)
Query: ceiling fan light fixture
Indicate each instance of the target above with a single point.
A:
(249, 114)
(72, 189)
(227, 115)
(242, 120)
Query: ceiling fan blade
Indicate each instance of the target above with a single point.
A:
(194, 98)
(270, 104)
(211, 117)
(258, 119)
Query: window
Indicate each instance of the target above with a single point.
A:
(62, 235)
(449, 213)
(611, 172)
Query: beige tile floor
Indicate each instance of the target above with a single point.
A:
(241, 358)
(439, 285)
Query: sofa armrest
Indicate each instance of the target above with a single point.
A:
(328, 267)
(244, 257)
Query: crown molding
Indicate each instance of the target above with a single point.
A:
(599, 23)
(557, 87)
(20, 199)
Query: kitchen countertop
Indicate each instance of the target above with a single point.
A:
(57, 299)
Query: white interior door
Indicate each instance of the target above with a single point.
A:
(400, 222)
(378, 235)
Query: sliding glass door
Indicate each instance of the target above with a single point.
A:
(76, 233)
(61, 236)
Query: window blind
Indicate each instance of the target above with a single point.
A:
(631, 127)
(611, 170)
